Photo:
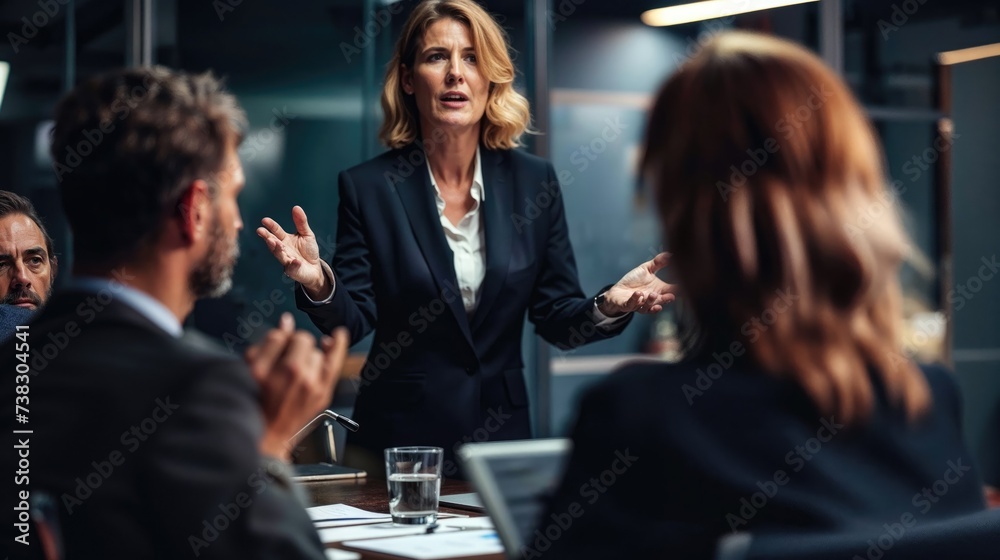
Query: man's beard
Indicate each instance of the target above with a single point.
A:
(24, 293)
(213, 276)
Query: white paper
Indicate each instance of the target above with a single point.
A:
(449, 544)
(335, 554)
(371, 531)
(381, 529)
(342, 512)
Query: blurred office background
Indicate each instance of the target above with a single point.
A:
(309, 74)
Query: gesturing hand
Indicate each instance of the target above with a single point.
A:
(298, 253)
(639, 290)
(296, 380)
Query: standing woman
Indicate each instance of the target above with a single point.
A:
(442, 249)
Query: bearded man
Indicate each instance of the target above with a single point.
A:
(151, 442)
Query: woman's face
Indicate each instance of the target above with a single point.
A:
(445, 80)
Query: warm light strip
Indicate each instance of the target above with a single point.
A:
(966, 55)
(4, 72)
(710, 9)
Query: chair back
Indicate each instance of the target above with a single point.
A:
(970, 537)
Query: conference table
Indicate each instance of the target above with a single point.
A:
(372, 495)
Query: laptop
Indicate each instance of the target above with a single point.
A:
(514, 480)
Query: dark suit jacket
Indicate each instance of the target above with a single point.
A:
(12, 316)
(434, 375)
(666, 460)
(149, 443)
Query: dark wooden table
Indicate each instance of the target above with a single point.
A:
(373, 495)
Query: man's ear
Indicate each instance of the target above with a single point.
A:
(53, 268)
(192, 210)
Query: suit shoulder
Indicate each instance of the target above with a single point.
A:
(521, 158)
(938, 375)
(712, 385)
(201, 353)
(632, 380)
(943, 384)
(386, 161)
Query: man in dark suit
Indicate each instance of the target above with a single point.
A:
(11, 317)
(153, 442)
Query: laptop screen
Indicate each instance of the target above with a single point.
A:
(515, 480)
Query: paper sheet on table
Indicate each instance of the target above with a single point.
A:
(382, 530)
(450, 544)
(340, 515)
(335, 554)
(342, 512)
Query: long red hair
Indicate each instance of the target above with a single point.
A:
(766, 175)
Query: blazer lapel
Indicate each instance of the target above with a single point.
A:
(497, 210)
(417, 196)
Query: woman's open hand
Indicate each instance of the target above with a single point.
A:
(639, 290)
(298, 253)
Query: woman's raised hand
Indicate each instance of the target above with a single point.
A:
(298, 253)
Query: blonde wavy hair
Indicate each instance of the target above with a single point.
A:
(508, 114)
(767, 177)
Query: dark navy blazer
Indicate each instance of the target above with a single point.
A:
(667, 459)
(436, 375)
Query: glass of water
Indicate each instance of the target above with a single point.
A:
(414, 477)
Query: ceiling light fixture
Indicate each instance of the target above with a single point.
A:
(4, 72)
(710, 9)
(968, 55)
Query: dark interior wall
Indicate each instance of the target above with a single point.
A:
(976, 245)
